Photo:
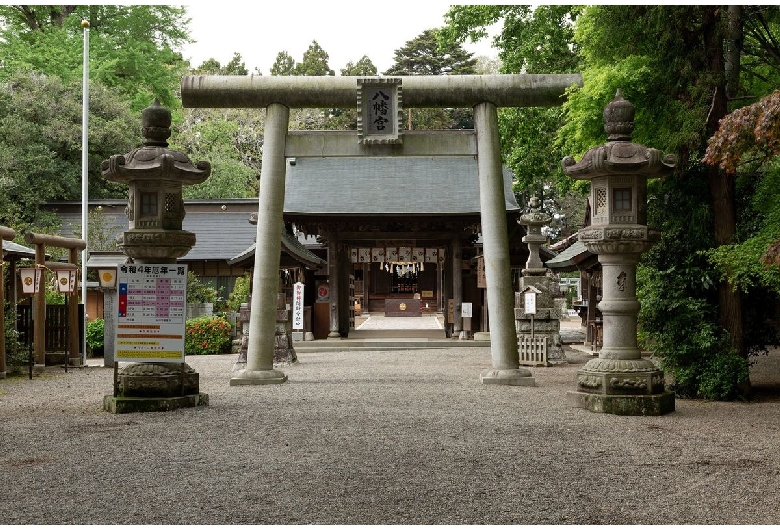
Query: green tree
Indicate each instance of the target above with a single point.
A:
(132, 48)
(425, 55)
(314, 62)
(283, 65)
(364, 67)
(211, 66)
(40, 143)
(531, 41)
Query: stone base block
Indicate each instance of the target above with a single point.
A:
(308, 336)
(482, 335)
(2, 375)
(124, 405)
(625, 405)
(158, 386)
(258, 377)
(516, 377)
(297, 336)
(39, 368)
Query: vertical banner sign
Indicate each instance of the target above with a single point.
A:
(530, 303)
(297, 306)
(150, 323)
(481, 279)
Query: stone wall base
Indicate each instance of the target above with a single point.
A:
(625, 405)
(124, 405)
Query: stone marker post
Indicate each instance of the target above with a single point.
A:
(620, 381)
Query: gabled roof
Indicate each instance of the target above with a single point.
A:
(418, 185)
(290, 245)
(569, 258)
(15, 250)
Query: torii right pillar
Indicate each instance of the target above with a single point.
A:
(620, 381)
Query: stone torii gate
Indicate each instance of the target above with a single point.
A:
(484, 93)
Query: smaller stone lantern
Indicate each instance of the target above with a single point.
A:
(620, 381)
(545, 320)
(155, 175)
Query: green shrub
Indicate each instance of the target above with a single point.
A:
(17, 354)
(95, 334)
(684, 332)
(207, 335)
(240, 293)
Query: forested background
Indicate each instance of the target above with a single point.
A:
(703, 81)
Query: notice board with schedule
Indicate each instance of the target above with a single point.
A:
(151, 313)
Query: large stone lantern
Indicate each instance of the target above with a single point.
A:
(620, 381)
(155, 175)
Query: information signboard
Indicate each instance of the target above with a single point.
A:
(151, 313)
(297, 308)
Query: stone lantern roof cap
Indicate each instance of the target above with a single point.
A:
(619, 156)
(155, 161)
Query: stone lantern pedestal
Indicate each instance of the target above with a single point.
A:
(620, 381)
(155, 211)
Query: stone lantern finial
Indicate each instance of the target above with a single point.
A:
(156, 124)
(619, 119)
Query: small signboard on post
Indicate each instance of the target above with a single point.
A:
(151, 313)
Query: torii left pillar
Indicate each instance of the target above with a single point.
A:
(484, 93)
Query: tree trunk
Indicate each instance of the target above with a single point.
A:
(722, 184)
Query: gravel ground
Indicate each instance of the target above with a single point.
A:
(394, 437)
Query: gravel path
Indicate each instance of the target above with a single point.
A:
(395, 437)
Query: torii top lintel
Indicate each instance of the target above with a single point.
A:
(503, 90)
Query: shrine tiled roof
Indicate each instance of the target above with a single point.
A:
(421, 185)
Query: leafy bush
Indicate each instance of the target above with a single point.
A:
(207, 335)
(95, 334)
(16, 352)
(199, 292)
(240, 293)
(683, 331)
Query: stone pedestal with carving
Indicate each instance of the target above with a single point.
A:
(620, 381)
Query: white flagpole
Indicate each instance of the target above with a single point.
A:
(84, 181)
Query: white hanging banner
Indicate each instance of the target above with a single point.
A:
(391, 253)
(353, 255)
(378, 254)
(364, 255)
(297, 308)
(431, 255)
(405, 254)
(418, 254)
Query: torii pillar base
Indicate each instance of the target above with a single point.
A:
(508, 377)
(258, 377)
